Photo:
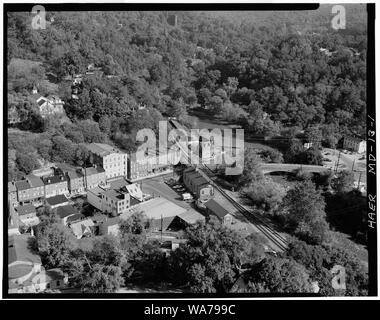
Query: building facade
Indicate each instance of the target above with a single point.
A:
(113, 161)
(197, 184)
(12, 194)
(76, 182)
(28, 215)
(151, 165)
(50, 105)
(31, 190)
(94, 176)
(354, 144)
(55, 185)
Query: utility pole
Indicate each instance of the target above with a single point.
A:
(161, 228)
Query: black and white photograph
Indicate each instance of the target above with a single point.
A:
(189, 150)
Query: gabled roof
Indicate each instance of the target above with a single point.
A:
(26, 209)
(81, 227)
(22, 185)
(191, 216)
(219, 207)
(66, 211)
(160, 207)
(200, 181)
(135, 191)
(74, 175)
(53, 201)
(34, 181)
(75, 217)
(54, 180)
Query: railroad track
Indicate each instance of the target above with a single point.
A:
(276, 238)
(252, 217)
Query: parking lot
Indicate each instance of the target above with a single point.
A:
(158, 187)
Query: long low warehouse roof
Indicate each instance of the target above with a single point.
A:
(160, 207)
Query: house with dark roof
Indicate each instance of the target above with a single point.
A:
(66, 211)
(222, 209)
(56, 201)
(75, 177)
(28, 215)
(55, 185)
(197, 184)
(50, 105)
(75, 218)
(30, 190)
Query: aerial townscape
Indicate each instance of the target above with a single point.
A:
(88, 214)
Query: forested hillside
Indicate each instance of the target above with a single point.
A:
(239, 65)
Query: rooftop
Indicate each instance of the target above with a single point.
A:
(102, 149)
(118, 183)
(53, 201)
(76, 217)
(54, 180)
(74, 175)
(113, 194)
(66, 210)
(22, 185)
(134, 201)
(34, 181)
(191, 216)
(19, 249)
(26, 209)
(160, 207)
(220, 207)
(94, 170)
(80, 227)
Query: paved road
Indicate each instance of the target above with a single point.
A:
(287, 167)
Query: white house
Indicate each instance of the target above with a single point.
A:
(354, 144)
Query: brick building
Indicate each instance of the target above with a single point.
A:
(55, 185)
(113, 161)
